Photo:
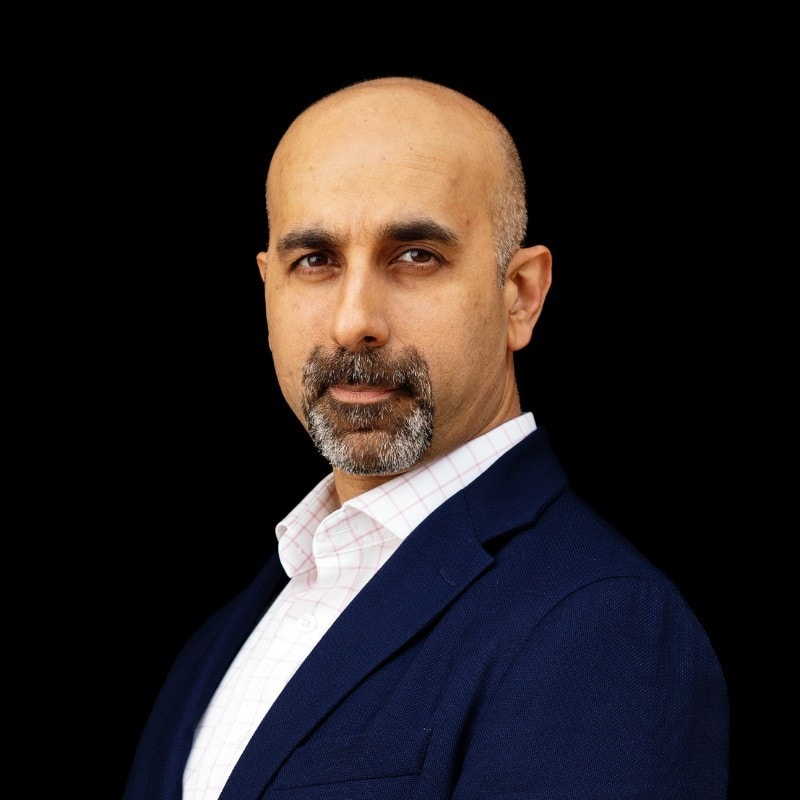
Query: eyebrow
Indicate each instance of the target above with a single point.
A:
(413, 230)
(305, 239)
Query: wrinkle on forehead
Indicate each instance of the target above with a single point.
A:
(363, 188)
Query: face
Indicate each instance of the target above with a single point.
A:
(387, 328)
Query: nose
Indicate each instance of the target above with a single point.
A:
(359, 316)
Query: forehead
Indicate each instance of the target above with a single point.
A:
(368, 163)
(376, 187)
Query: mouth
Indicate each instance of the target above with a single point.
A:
(361, 393)
(366, 385)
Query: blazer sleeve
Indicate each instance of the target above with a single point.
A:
(616, 693)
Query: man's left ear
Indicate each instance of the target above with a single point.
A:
(528, 279)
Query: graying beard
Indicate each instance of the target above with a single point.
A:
(388, 455)
(382, 440)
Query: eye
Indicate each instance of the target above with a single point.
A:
(313, 261)
(418, 257)
(314, 264)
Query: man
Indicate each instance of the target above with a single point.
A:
(444, 617)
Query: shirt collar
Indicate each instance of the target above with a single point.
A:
(403, 502)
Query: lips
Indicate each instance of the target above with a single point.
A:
(361, 392)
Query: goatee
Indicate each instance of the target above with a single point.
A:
(376, 438)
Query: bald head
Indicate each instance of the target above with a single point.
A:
(420, 128)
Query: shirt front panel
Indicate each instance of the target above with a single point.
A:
(346, 551)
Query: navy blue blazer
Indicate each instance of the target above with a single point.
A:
(514, 646)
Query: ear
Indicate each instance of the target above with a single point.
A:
(528, 279)
(261, 258)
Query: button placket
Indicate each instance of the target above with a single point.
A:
(307, 622)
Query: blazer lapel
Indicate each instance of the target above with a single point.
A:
(430, 569)
(242, 617)
(439, 559)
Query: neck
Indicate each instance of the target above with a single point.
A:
(349, 486)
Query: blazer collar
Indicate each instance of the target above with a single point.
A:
(439, 560)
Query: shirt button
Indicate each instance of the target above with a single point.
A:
(307, 622)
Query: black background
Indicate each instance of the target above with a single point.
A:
(633, 371)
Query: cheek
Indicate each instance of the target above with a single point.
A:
(290, 323)
(478, 325)
(290, 341)
(464, 346)
(288, 373)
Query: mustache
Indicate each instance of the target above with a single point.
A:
(368, 367)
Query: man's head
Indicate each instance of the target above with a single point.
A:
(397, 289)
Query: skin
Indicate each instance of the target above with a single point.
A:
(394, 177)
